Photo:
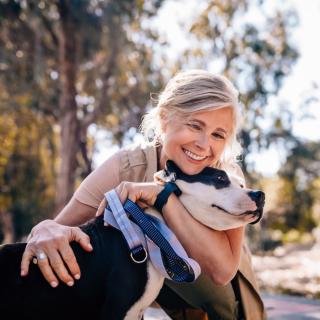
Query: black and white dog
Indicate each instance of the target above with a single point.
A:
(112, 286)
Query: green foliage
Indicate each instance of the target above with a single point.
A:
(300, 191)
(30, 32)
(256, 56)
(113, 77)
(26, 169)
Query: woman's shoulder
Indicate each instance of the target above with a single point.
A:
(136, 154)
(138, 162)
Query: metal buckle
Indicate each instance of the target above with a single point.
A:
(134, 259)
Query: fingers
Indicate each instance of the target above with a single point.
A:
(25, 262)
(82, 238)
(46, 269)
(127, 190)
(102, 206)
(142, 204)
(144, 192)
(43, 264)
(122, 191)
(66, 262)
(55, 258)
(51, 264)
(71, 262)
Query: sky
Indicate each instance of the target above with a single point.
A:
(172, 21)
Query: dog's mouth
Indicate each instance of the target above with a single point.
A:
(257, 213)
(215, 206)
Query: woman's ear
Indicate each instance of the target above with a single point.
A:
(163, 118)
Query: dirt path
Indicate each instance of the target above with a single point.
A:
(278, 307)
(294, 270)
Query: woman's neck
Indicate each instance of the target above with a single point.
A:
(161, 158)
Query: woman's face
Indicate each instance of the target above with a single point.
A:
(196, 142)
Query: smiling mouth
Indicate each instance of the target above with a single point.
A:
(194, 156)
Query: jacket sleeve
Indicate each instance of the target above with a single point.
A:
(99, 181)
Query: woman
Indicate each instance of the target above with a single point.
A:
(194, 124)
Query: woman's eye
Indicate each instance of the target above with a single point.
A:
(218, 136)
(194, 126)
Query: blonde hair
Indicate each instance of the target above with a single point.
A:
(194, 91)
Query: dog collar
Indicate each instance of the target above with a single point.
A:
(163, 196)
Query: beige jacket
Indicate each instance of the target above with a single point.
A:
(138, 164)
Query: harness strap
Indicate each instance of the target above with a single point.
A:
(137, 251)
(165, 251)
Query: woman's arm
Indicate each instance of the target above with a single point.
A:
(52, 237)
(218, 252)
(75, 213)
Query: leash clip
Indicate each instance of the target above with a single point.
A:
(139, 254)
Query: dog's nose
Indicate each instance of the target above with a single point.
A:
(258, 197)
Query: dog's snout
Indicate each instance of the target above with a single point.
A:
(258, 197)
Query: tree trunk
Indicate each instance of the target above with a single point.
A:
(69, 124)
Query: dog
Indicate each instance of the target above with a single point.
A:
(112, 286)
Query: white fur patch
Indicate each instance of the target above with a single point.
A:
(154, 285)
(233, 199)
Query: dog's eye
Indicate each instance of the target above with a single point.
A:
(221, 178)
(241, 186)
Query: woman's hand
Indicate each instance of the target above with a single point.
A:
(143, 193)
(50, 240)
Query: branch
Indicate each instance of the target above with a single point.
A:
(48, 26)
(85, 157)
(93, 116)
(46, 23)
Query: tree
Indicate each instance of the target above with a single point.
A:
(27, 177)
(256, 57)
(300, 192)
(83, 64)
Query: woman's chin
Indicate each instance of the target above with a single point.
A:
(191, 169)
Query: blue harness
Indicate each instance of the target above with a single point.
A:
(148, 235)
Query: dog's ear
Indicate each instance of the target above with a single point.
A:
(171, 167)
(169, 174)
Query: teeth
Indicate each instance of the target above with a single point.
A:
(193, 156)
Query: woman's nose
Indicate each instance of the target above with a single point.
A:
(202, 142)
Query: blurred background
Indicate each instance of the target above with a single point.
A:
(76, 76)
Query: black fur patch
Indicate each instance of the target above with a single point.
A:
(209, 176)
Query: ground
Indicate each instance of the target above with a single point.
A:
(290, 280)
(278, 307)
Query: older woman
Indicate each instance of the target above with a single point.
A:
(194, 124)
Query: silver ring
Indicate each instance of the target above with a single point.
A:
(41, 256)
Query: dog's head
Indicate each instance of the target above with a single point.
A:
(215, 199)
